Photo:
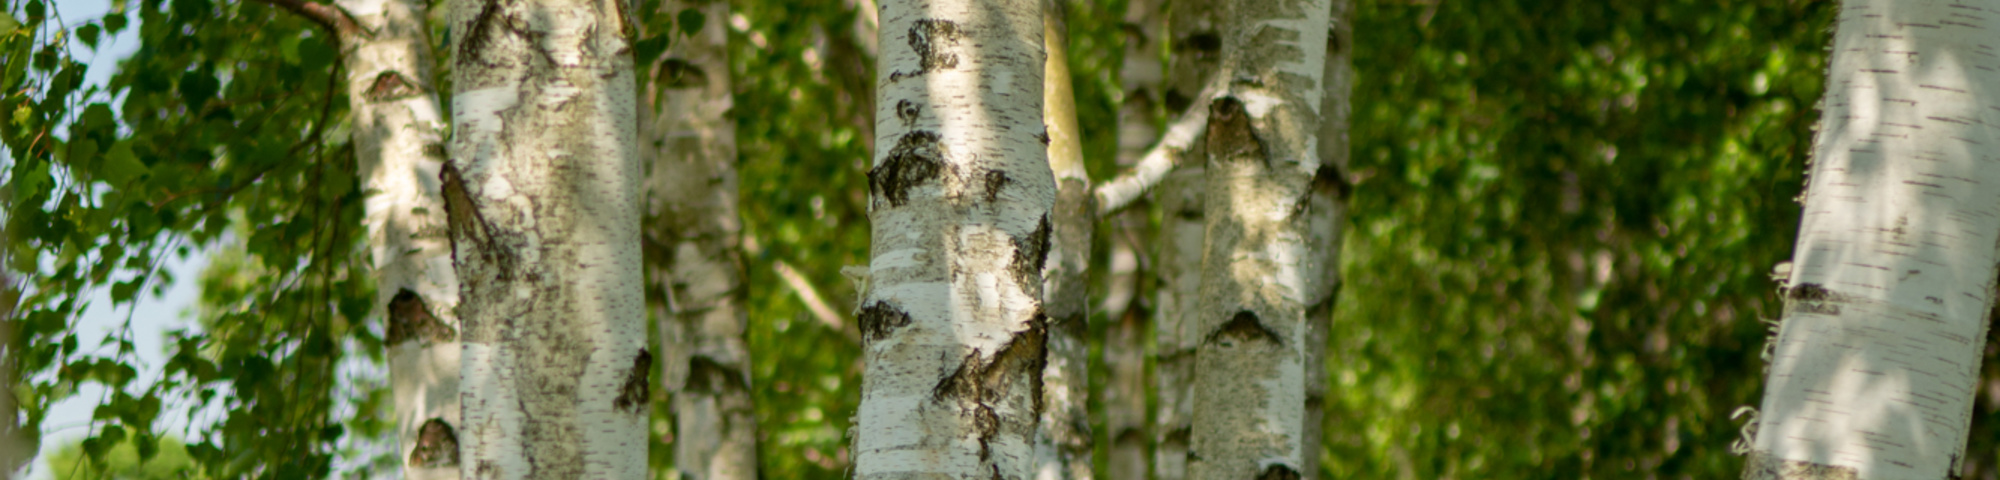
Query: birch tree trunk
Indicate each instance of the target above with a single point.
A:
(1124, 347)
(543, 196)
(1892, 280)
(1262, 144)
(692, 238)
(1063, 443)
(1197, 49)
(959, 201)
(1329, 223)
(399, 142)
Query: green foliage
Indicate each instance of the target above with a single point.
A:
(133, 458)
(1561, 218)
(202, 132)
(1561, 226)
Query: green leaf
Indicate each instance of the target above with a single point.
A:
(8, 24)
(123, 291)
(121, 165)
(690, 21)
(88, 34)
(115, 23)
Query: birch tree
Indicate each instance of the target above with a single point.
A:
(692, 239)
(1328, 213)
(960, 192)
(1124, 346)
(398, 138)
(543, 196)
(1196, 49)
(1262, 148)
(1063, 443)
(1887, 303)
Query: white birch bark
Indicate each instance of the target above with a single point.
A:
(1329, 223)
(1263, 152)
(692, 243)
(398, 138)
(1063, 443)
(543, 196)
(960, 195)
(1893, 274)
(1196, 49)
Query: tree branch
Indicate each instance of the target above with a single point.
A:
(329, 16)
(1118, 193)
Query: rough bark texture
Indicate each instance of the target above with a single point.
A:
(1893, 274)
(398, 137)
(1063, 443)
(1262, 145)
(543, 193)
(692, 233)
(1329, 223)
(959, 207)
(1196, 48)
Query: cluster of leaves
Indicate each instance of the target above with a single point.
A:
(223, 129)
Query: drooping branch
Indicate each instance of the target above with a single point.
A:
(1119, 192)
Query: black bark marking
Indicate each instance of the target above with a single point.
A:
(1811, 292)
(479, 35)
(410, 318)
(908, 112)
(705, 374)
(994, 179)
(1278, 472)
(1245, 327)
(1814, 298)
(675, 73)
(1329, 177)
(468, 226)
(979, 383)
(1230, 137)
(931, 39)
(638, 391)
(1177, 101)
(915, 159)
(1043, 135)
(437, 445)
(1030, 254)
(391, 85)
(879, 320)
(1203, 41)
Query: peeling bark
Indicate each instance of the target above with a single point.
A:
(1258, 268)
(398, 138)
(543, 197)
(692, 240)
(956, 333)
(1892, 284)
(1063, 443)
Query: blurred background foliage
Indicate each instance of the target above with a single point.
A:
(1563, 220)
